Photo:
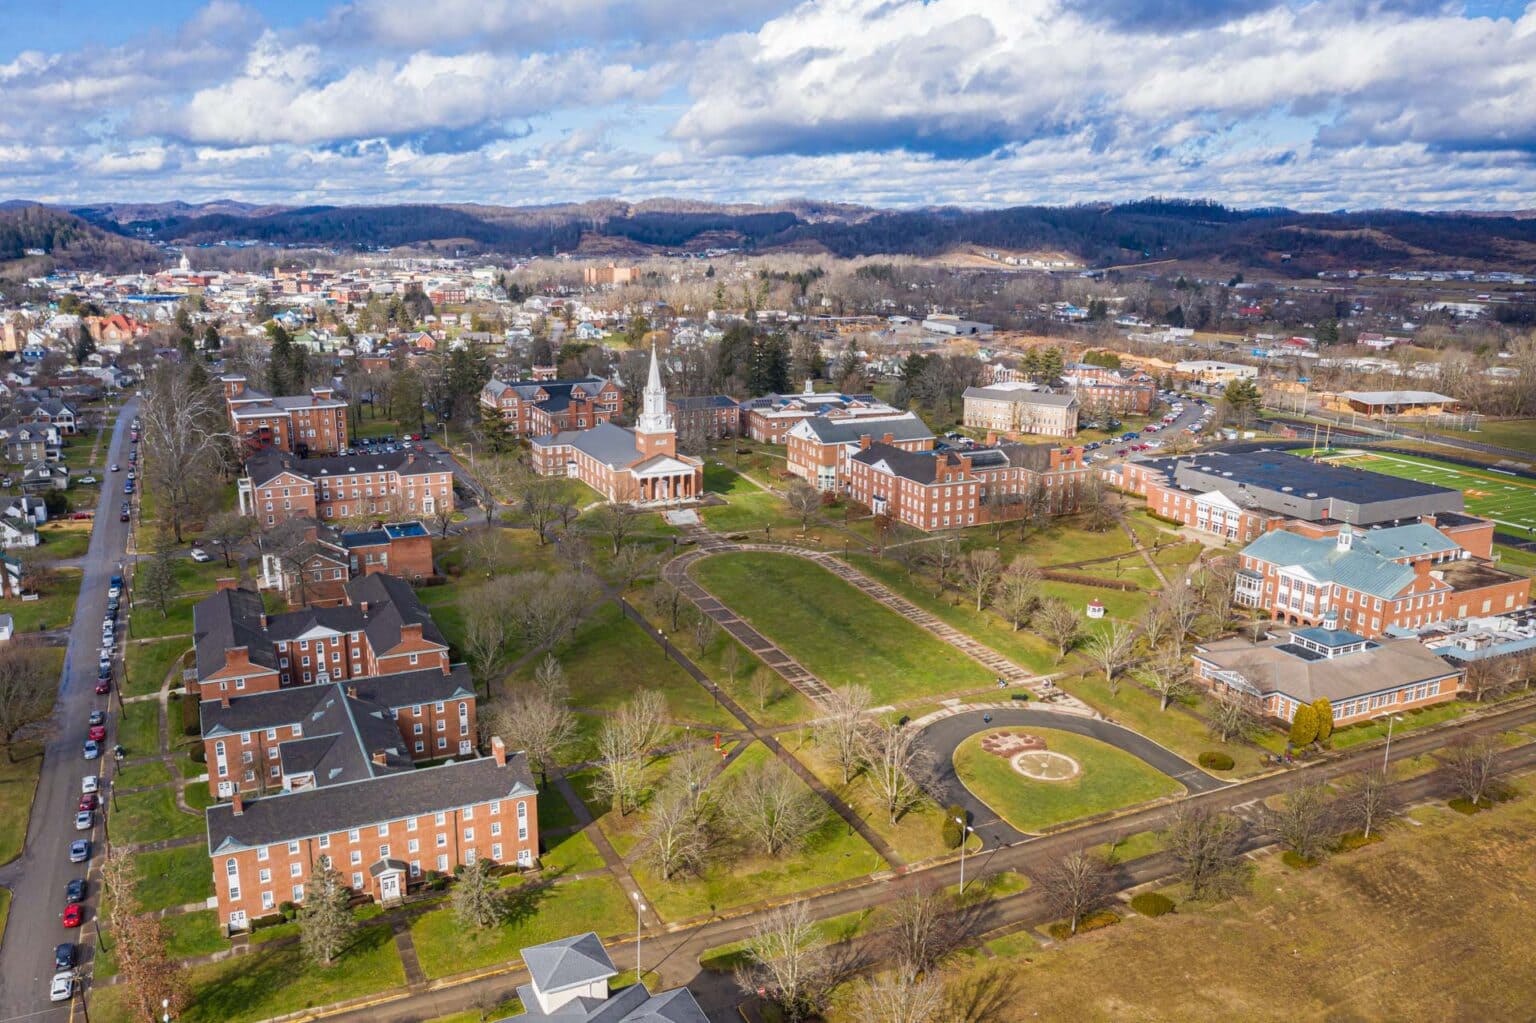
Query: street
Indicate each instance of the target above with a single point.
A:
(38, 877)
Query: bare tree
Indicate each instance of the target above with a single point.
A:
(1230, 719)
(158, 585)
(889, 998)
(442, 516)
(731, 661)
(942, 555)
(786, 961)
(227, 530)
(28, 682)
(633, 562)
(1155, 624)
(921, 929)
(186, 440)
(774, 809)
(617, 521)
(1208, 849)
(536, 719)
(979, 572)
(1058, 622)
(804, 500)
(678, 832)
(1182, 608)
(1303, 821)
(897, 765)
(489, 630)
(1018, 591)
(1109, 648)
(667, 601)
(704, 630)
(1472, 766)
(158, 982)
(842, 728)
(1491, 677)
(623, 744)
(764, 683)
(1368, 800)
(1076, 885)
(1168, 676)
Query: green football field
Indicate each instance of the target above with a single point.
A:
(1508, 500)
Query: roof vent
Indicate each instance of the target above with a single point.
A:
(1311, 493)
(1285, 490)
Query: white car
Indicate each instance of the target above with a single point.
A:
(90, 783)
(87, 479)
(84, 820)
(200, 556)
(63, 987)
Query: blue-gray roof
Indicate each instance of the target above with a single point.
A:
(612, 445)
(1402, 541)
(568, 962)
(904, 427)
(1325, 561)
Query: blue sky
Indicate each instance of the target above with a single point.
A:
(1316, 105)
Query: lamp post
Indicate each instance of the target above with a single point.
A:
(165, 1010)
(639, 908)
(1387, 753)
(965, 831)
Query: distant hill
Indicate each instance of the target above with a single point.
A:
(69, 241)
(1099, 234)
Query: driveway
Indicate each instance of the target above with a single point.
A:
(37, 878)
(943, 735)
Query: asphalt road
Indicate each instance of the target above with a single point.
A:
(37, 879)
(945, 734)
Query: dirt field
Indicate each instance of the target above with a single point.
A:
(1428, 925)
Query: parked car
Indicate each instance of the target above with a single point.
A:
(98, 733)
(74, 916)
(90, 783)
(124, 514)
(75, 890)
(200, 556)
(64, 956)
(63, 987)
(132, 475)
(79, 850)
(103, 686)
(88, 480)
(128, 487)
(88, 801)
(116, 467)
(98, 717)
(85, 820)
(92, 750)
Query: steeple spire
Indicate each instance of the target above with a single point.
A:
(654, 417)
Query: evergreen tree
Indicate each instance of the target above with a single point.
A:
(1324, 711)
(85, 345)
(1328, 332)
(325, 919)
(1304, 726)
(211, 340)
(476, 899)
(280, 361)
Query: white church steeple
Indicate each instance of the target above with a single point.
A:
(654, 417)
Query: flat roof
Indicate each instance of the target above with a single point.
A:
(1276, 470)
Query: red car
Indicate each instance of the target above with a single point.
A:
(98, 733)
(103, 687)
(88, 801)
(73, 915)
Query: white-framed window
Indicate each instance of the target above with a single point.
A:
(325, 841)
(357, 880)
(442, 862)
(442, 841)
(298, 893)
(357, 857)
(263, 853)
(293, 848)
(267, 900)
(353, 835)
(295, 870)
(384, 830)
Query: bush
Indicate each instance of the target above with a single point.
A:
(263, 922)
(287, 910)
(1213, 760)
(1296, 861)
(1304, 726)
(1152, 904)
(198, 754)
(1061, 930)
(952, 833)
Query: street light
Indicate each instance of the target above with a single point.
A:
(1391, 720)
(165, 1010)
(639, 908)
(965, 830)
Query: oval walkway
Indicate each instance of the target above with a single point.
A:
(943, 735)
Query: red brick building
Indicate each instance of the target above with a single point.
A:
(531, 408)
(1109, 390)
(382, 629)
(931, 490)
(305, 424)
(769, 419)
(817, 449)
(383, 485)
(710, 415)
(384, 825)
(257, 743)
(316, 569)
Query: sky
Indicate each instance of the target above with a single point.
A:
(1313, 105)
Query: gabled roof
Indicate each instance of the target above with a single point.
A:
(1404, 541)
(1021, 396)
(1325, 561)
(568, 962)
(612, 445)
(284, 707)
(905, 426)
(268, 465)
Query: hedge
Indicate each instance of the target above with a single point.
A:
(1099, 582)
(1213, 760)
(1152, 904)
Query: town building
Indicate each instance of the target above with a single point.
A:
(321, 560)
(1372, 581)
(1099, 389)
(611, 274)
(711, 416)
(953, 326)
(639, 466)
(931, 490)
(1394, 403)
(354, 797)
(570, 982)
(301, 424)
(1019, 408)
(769, 418)
(276, 487)
(271, 741)
(1211, 371)
(381, 629)
(817, 449)
(544, 405)
(1360, 678)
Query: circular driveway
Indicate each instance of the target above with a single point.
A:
(942, 736)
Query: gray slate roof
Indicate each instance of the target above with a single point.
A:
(612, 445)
(1382, 666)
(904, 427)
(270, 464)
(1021, 395)
(568, 962)
(283, 707)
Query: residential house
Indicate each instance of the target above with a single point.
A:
(40, 476)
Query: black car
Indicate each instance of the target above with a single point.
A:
(98, 717)
(75, 891)
(64, 957)
(125, 514)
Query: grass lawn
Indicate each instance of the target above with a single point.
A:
(138, 728)
(835, 631)
(1512, 559)
(916, 836)
(18, 784)
(1110, 779)
(574, 853)
(275, 981)
(194, 934)
(197, 795)
(173, 877)
(1444, 885)
(749, 509)
(609, 658)
(1136, 709)
(150, 817)
(539, 913)
(141, 775)
(54, 609)
(192, 576)
(66, 539)
(1131, 847)
(443, 602)
(553, 811)
(1126, 605)
(5, 910)
(146, 622)
(1516, 434)
(737, 876)
(832, 929)
(149, 663)
(1354, 735)
(1023, 647)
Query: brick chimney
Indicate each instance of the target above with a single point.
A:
(228, 583)
(362, 606)
(499, 751)
(864, 442)
(410, 458)
(263, 621)
(411, 632)
(991, 438)
(352, 691)
(224, 700)
(237, 804)
(889, 438)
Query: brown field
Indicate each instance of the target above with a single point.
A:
(1427, 925)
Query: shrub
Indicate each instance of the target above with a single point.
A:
(952, 833)
(1461, 804)
(1296, 861)
(1324, 711)
(1061, 930)
(287, 910)
(1152, 904)
(262, 922)
(1213, 760)
(198, 754)
(1304, 726)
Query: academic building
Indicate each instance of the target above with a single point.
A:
(303, 425)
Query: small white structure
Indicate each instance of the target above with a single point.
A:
(1095, 608)
(7, 628)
